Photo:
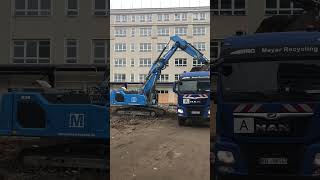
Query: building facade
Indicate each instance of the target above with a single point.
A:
(138, 36)
(229, 16)
(54, 32)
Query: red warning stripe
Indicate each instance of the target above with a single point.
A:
(298, 108)
(246, 108)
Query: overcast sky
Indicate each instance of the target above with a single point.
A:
(129, 4)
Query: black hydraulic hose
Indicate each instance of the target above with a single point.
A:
(159, 57)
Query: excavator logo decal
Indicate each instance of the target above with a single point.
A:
(76, 120)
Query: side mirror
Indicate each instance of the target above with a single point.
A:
(175, 87)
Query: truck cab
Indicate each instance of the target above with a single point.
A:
(193, 90)
(268, 113)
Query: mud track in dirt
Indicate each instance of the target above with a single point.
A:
(158, 149)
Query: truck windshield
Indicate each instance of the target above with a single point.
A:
(272, 80)
(187, 86)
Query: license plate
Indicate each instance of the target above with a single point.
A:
(273, 161)
(195, 112)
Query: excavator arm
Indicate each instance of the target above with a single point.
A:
(142, 101)
(162, 61)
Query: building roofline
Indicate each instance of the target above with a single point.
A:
(159, 10)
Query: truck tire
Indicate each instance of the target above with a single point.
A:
(181, 121)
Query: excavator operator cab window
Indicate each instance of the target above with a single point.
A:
(119, 97)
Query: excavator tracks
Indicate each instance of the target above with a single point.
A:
(77, 156)
(151, 111)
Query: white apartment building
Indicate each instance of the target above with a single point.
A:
(229, 16)
(138, 36)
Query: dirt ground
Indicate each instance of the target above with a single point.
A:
(12, 169)
(158, 149)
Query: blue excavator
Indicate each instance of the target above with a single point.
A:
(144, 101)
(72, 129)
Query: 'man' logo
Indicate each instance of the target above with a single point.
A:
(76, 120)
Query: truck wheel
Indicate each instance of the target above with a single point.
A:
(181, 121)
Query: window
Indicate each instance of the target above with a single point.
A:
(215, 49)
(163, 31)
(133, 32)
(226, 4)
(201, 46)
(132, 47)
(120, 62)
(120, 47)
(199, 30)
(132, 63)
(283, 7)
(163, 17)
(120, 32)
(199, 16)
(99, 51)
(149, 17)
(180, 62)
(118, 18)
(162, 91)
(181, 31)
(166, 17)
(184, 16)
(145, 32)
(176, 77)
(31, 51)
(142, 77)
(227, 7)
(121, 18)
(100, 7)
(32, 7)
(71, 50)
(161, 46)
(142, 18)
(72, 7)
(180, 16)
(119, 77)
(145, 62)
(177, 16)
(202, 16)
(196, 63)
(164, 78)
(133, 18)
(145, 47)
(132, 77)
